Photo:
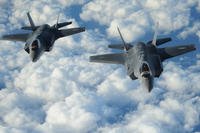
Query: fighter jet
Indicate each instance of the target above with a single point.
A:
(143, 61)
(41, 38)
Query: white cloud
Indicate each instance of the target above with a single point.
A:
(63, 92)
(175, 77)
(71, 115)
(194, 29)
(134, 21)
(68, 3)
(41, 12)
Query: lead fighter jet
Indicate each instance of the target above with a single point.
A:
(143, 61)
(42, 37)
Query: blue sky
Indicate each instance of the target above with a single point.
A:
(64, 92)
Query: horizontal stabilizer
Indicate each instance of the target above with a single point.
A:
(71, 31)
(109, 58)
(160, 41)
(119, 46)
(170, 52)
(60, 25)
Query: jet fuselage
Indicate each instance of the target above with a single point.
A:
(40, 40)
(148, 63)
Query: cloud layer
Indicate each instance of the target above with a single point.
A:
(136, 18)
(63, 92)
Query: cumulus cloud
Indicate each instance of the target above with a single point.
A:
(195, 29)
(136, 19)
(72, 115)
(175, 111)
(41, 11)
(63, 92)
(68, 3)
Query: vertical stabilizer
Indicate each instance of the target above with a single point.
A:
(155, 34)
(30, 20)
(125, 45)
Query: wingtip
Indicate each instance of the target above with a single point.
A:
(90, 59)
(109, 46)
(193, 46)
(2, 37)
(83, 29)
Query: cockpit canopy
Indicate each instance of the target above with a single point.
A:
(35, 45)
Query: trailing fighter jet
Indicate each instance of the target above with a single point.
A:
(42, 37)
(143, 61)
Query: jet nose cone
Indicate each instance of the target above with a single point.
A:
(34, 60)
(145, 74)
(33, 56)
(148, 83)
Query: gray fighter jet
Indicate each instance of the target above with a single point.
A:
(143, 61)
(41, 38)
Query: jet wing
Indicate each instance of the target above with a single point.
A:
(170, 52)
(109, 58)
(16, 37)
(71, 31)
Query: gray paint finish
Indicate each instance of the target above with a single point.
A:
(42, 37)
(143, 61)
